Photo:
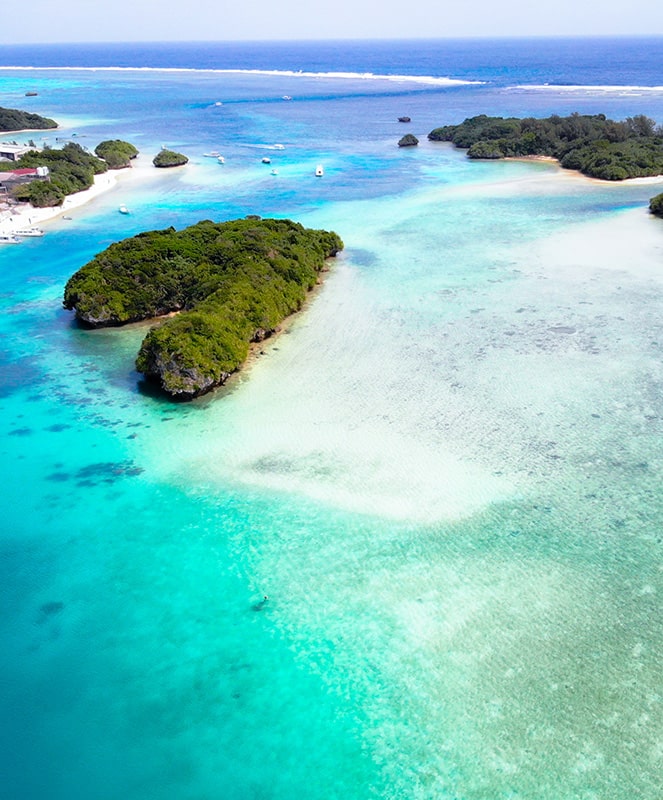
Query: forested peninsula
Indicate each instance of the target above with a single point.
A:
(12, 119)
(71, 169)
(593, 145)
(233, 282)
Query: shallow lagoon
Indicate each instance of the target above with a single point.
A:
(445, 476)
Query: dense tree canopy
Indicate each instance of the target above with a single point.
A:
(594, 145)
(11, 119)
(72, 169)
(656, 205)
(234, 282)
(116, 153)
(169, 158)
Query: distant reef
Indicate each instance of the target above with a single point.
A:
(594, 145)
(233, 282)
(11, 119)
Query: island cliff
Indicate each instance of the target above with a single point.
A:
(233, 283)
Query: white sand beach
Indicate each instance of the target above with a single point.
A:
(16, 217)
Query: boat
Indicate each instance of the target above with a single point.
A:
(274, 172)
(66, 216)
(212, 154)
(286, 97)
(32, 231)
(404, 119)
(266, 160)
(31, 94)
(8, 238)
(278, 146)
(221, 159)
(319, 171)
(123, 209)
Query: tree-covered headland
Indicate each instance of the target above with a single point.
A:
(594, 145)
(71, 169)
(12, 119)
(233, 282)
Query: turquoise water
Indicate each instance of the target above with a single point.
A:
(445, 476)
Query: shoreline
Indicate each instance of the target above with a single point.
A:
(24, 215)
(653, 179)
(257, 349)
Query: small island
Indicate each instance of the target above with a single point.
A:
(656, 205)
(116, 153)
(594, 145)
(169, 158)
(11, 119)
(233, 283)
(409, 140)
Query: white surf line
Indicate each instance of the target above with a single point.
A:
(554, 87)
(426, 79)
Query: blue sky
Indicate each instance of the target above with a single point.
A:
(215, 20)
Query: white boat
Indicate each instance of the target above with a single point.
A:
(319, 171)
(212, 154)
(8, 238)
(266, 160)
(279, 147)
(123, 209)
(33, 231)
(274, 172)
(286, 97)
(221, 159)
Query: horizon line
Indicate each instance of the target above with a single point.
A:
(386, 39)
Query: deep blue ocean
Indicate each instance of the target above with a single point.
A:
(445, 475)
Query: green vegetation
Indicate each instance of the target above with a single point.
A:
(409, 140)
(594, 145)
(234, 283)
(11, 119)
(71, 170)
(116, 153)
(169, 158)
(656, 205)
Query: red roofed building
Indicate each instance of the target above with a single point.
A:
(20, 173)
(15, 177)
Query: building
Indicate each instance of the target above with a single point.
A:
(12, 152)
(15, 177)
